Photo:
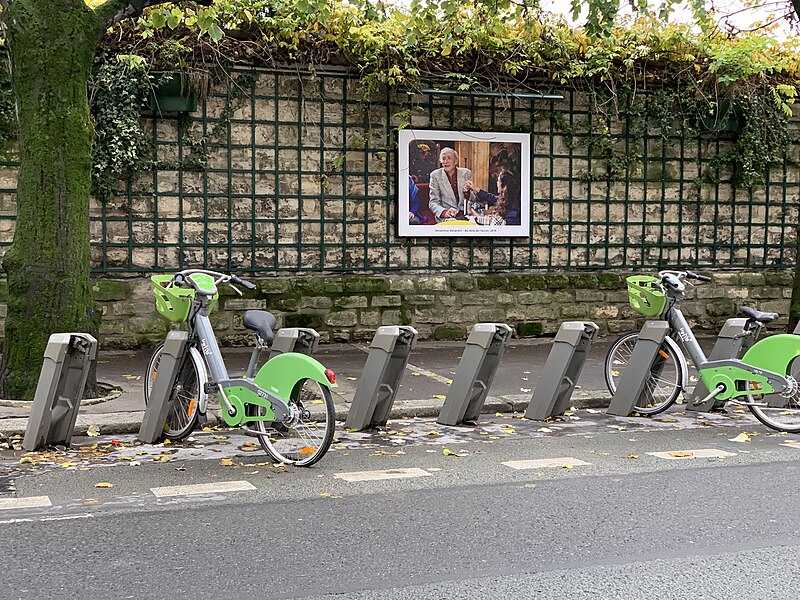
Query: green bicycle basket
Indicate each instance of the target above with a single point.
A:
(646, 295)
(174, 302)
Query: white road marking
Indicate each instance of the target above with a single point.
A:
(379, 475)
(792, 444)
(684, 454)
(202, 488)
(31, 502)
(545, 463)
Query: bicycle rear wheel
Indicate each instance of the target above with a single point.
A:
(308, 435)
(665, 381)
(777, 412)
(186, 392)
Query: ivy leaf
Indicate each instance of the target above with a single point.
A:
(215, 33)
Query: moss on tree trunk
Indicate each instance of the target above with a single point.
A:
(51, 45)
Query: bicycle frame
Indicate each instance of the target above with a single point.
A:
(724, 377)
(281, 374)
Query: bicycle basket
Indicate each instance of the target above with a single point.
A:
(646, 296)
(174, 302)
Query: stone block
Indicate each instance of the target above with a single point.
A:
(765, 293)
(274, 286)
(527, 282)
(245, 304)
(370, 318)
(582, 295)
(401, 284)
(537, 297)
(779, 278)
(449, 332)
(430, 315)
(419, 299)
(529, 329)
(366, 284)
(752, 279)
(351, 302)
(320, 302)
(462, 283)
(492, 282)
(110, 290)
(432, 284)
(386, 301)
(344, 318)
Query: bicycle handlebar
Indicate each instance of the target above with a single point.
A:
(179, 277)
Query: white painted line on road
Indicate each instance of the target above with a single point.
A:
(68, 517)
(379, 475)
(32, 502)
(542, 463)
(202, 488)
(792, 444)
(684, 454)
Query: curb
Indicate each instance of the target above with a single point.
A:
(130, 422)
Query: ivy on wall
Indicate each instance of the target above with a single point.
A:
(8, 123)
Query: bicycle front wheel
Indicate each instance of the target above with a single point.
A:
(664, 382)
(775, 411)
(308, 434)
(184, 400)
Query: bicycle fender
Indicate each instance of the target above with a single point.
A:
(281, 374)
(774, 353)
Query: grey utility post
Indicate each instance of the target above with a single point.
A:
(562, 369)
(158, 405)
(485, 346)
(644, 355)
(294, 339)
(68, 359)
(380, 378)
(733, 342)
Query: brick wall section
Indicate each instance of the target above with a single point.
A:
(351, 308)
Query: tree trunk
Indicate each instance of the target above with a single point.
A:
(51, 45)
(794, 307)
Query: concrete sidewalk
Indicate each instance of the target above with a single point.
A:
(421, 392)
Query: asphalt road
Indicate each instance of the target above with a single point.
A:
(609, 520)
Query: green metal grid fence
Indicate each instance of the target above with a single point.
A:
(295, 172)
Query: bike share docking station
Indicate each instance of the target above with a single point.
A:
(155, 415)
(68, 358)
(295, 339)
(734, 340)
(474, 375)
(643, 364)
(562, 370)
(380, 378)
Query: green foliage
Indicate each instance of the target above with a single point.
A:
(8, 119)
(120, 148)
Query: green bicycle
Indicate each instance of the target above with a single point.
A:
(287, 404)
(761, 380)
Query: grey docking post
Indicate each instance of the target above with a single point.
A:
(380, 378)
(631, 386)
(68, 358)
(485, 346)
(562, 370)
(733, 342)
(294, 339)
(158, 405)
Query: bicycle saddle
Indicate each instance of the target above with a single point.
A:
(260, 321)
(757, 315)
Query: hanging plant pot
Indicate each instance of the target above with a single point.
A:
(726, 120)
(171, 92)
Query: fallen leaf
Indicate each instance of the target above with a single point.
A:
(103, 484)
(567, 466)
(742, 437)
(632, 456)
(681, 453)
(162, 458)
(434, 432)
(508, 430)
(667, 420)
(524, 390)
(219, 437)
(352, 379)
(93, 431)
(226, 462)
(439, 397)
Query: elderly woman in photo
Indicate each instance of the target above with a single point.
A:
(447, 200)
(504, 207)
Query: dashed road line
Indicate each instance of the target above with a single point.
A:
(202, 488)
(381, 475)
(684, 454)
(30, 502)
(566, 461)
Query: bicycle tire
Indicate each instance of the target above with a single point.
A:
(186, 392)
(663, 385)
(304, 440)
(780, 414)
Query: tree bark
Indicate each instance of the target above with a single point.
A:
(51, 44)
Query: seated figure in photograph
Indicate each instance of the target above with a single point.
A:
(447, 199)
(504, 207)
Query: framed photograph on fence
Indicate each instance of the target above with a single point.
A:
(463, 184)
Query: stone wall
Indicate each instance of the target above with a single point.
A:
(441, 307)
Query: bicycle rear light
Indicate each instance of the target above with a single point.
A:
(330, 375)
